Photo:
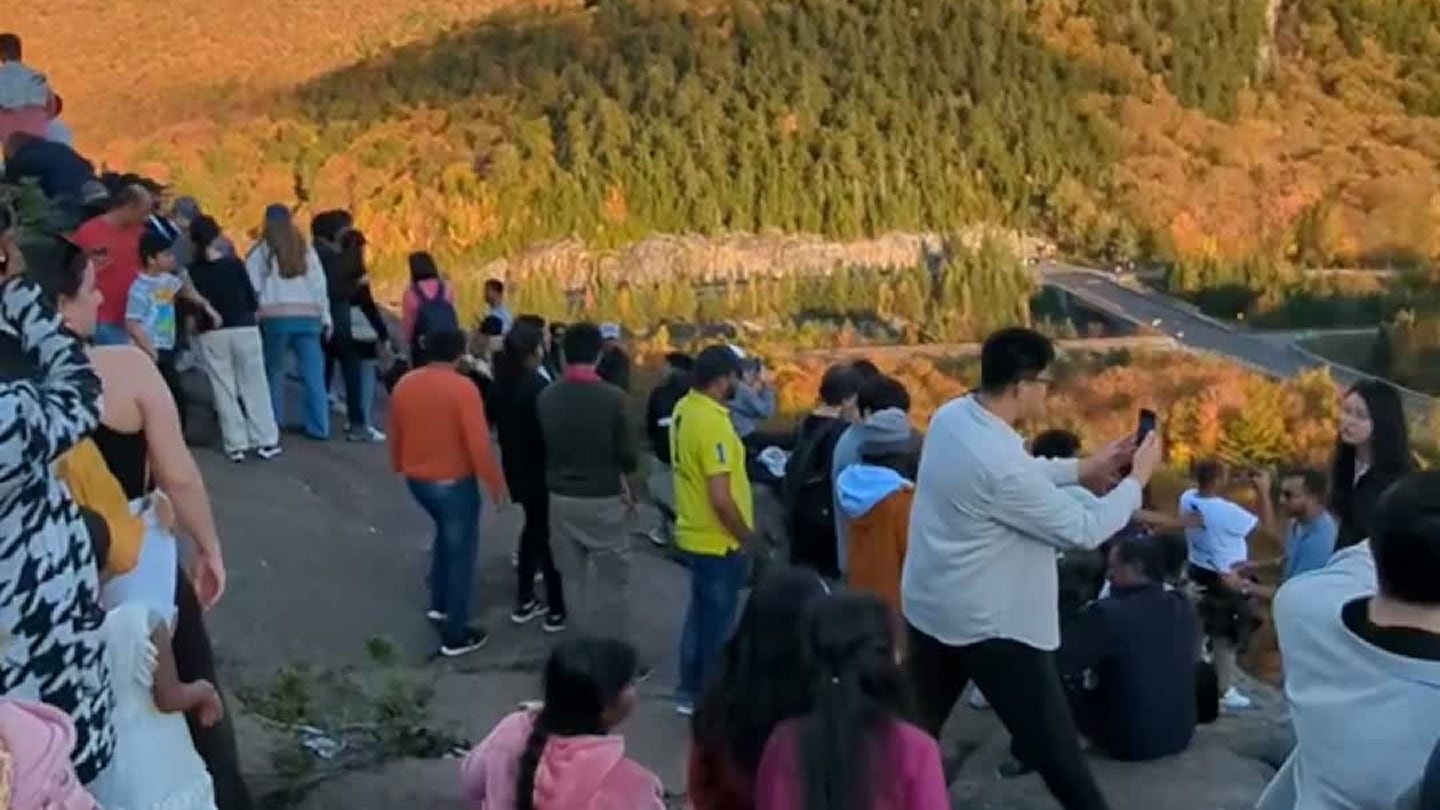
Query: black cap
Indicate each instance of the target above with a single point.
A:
(715, 362)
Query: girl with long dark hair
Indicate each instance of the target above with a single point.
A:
(564, 755)
(761, 680)
(511, 405)
(1371, 453)
(854, 750)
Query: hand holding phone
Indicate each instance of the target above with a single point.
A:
(1146, 425)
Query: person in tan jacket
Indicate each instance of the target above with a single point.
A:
(875, 497)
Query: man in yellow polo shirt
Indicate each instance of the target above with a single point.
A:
(714, 514)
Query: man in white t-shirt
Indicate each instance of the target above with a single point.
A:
(1219, 545)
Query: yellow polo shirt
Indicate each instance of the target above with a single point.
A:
(703, 444)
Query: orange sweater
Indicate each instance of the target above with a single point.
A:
(878, 540)
(438, 430)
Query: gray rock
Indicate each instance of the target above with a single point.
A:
(1209, 776)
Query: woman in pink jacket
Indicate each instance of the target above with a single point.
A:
(564, 756)
(853, 751)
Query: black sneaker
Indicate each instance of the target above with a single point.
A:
(527, 612)
(474, 640)
(554, 623)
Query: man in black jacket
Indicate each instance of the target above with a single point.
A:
(661, 479)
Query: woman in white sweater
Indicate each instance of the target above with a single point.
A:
(294, 315)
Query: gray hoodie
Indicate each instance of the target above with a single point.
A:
(1366, 719)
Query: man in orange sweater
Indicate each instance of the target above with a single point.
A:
(440, 442)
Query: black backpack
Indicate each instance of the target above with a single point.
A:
(809, 497)
(433, 313)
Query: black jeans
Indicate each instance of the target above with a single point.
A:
(341, 349)
(1023, 686)
(165, 361)
(535, 551)
(194, 661)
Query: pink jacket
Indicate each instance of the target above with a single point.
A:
(909, 775)
(575, 773)
(39, 739)
(410, 304)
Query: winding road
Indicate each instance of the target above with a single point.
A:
(1199, 332)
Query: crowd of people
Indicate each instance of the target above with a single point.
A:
(902, 568)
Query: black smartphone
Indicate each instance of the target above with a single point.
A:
(1147, 425)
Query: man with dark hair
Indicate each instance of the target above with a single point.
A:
(440, 442)
(10, 48)
(1361, 643)
(679, 369)
(590, 448)
(1309, 530)
(979, 586)
(1055, 443)
(808, 491)
(495, 302)
(868, 370)
(1219, 545)
(112, 240)
(1139, 647)
(877, 393)
(714, 514)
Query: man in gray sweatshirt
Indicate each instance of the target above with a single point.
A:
(1361, 643)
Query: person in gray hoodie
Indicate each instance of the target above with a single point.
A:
(1361, 643)
(875, 497)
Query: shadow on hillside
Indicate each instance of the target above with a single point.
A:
(531, 60)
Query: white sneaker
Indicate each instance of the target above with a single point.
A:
(977, 699)
(1234, 701)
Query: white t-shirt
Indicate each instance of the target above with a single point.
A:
(1220, 544)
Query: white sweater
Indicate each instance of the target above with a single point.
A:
(299, 297)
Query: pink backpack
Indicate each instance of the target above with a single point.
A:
(40, 739)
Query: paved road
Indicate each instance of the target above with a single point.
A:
(1199, 332)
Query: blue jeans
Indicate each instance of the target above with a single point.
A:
(715, 585)
(365, 408)
(454, 506)
(111, 334)
(300, 337)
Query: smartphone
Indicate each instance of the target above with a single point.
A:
(1147, 425)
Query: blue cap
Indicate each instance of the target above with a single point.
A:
(275, 212)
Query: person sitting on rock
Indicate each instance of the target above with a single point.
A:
(1129, 659)
(564, 755)
(1360, 639)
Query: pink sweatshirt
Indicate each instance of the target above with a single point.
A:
(910, 777)
(575, 773)
(39, 739)
(410, 304)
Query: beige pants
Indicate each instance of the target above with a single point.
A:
(592, 551)
(235, 363)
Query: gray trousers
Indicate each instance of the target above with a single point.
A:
(591, 544)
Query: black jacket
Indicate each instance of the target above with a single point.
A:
(511, 407)
(1142, 645)
(658, 410)
(226, 285)
(59, 171)
(614, 368)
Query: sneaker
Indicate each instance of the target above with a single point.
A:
(473, 641)
(269, 452)
(684, 708)
(554, 623)
(436, 615)
(527, 612)
(1234, 701)
(365, 434)
(236, 456)
(657, 537)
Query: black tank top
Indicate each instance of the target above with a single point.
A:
(128, 457)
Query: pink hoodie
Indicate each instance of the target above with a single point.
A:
(39, 739)
(575, 773)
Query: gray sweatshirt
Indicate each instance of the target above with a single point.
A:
(1366, 718)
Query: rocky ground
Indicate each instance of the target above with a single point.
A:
(340, 705)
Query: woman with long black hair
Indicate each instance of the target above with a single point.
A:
(511, 405)
(564, 755)
(854, 750)
(761, 680)
(1371, 453)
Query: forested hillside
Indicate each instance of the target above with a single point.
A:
(1149, 126)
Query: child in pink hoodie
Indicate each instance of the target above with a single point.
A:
(563, 756)
(35, 771)
(852, 751)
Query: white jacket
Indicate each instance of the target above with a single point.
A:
(299, 297)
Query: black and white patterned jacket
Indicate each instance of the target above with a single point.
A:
(50, 614)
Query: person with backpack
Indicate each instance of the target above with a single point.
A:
(809, 487)
(427, 308)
